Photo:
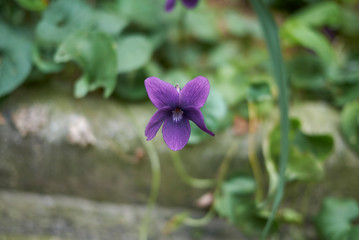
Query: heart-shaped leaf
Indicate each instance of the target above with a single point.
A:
(15, 59)
(334, 219)
(133, 52)
(95, 53)
(307, 153)
(235, 203)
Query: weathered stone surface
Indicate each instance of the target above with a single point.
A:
(43, 217)
(53, 143)
(90, 147)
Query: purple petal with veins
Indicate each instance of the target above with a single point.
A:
(161, 94)
(195, 115)
(195, 93)
(176, 134)
(156, 121)
(175, 108)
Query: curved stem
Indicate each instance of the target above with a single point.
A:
(252, 155)
(193, 182)
(156, 177)
(155, 184)
(221, 174)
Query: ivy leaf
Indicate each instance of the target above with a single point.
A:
(133, 52)
(95, 53)
(349, 124)
(15, 59)
(334, 219)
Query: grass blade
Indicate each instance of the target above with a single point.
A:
(270, 31)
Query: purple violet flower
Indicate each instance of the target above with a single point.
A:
(170, 4)
(175, 108)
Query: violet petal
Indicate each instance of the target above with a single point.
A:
(156, 121)
(176, 134)
(195, 93)
(170, 4)
(196, 116)
(190, 3)
(161, 93)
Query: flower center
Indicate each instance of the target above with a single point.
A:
(177, 114)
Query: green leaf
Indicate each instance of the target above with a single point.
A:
(33, 5)
(300, 29)
(110, 23)
(215, 114)
(235, 202)
(307, 152)
(239, 185)
(95, 53)
(349, 124)
(15, 59)
(133, 52)
(43, 61)
(334, 219)
(326, 13)
(62, 18)
(231, 84)
(271, 37)
(297, 33)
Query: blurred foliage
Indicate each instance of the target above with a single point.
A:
(95, 53)
(307, 152)
(15, 59)
(236, 203)
(334, 220)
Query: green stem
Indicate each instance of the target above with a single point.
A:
(252, 155)
(156, 177)
(221, 174)
(270, 31)
(193, 182)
